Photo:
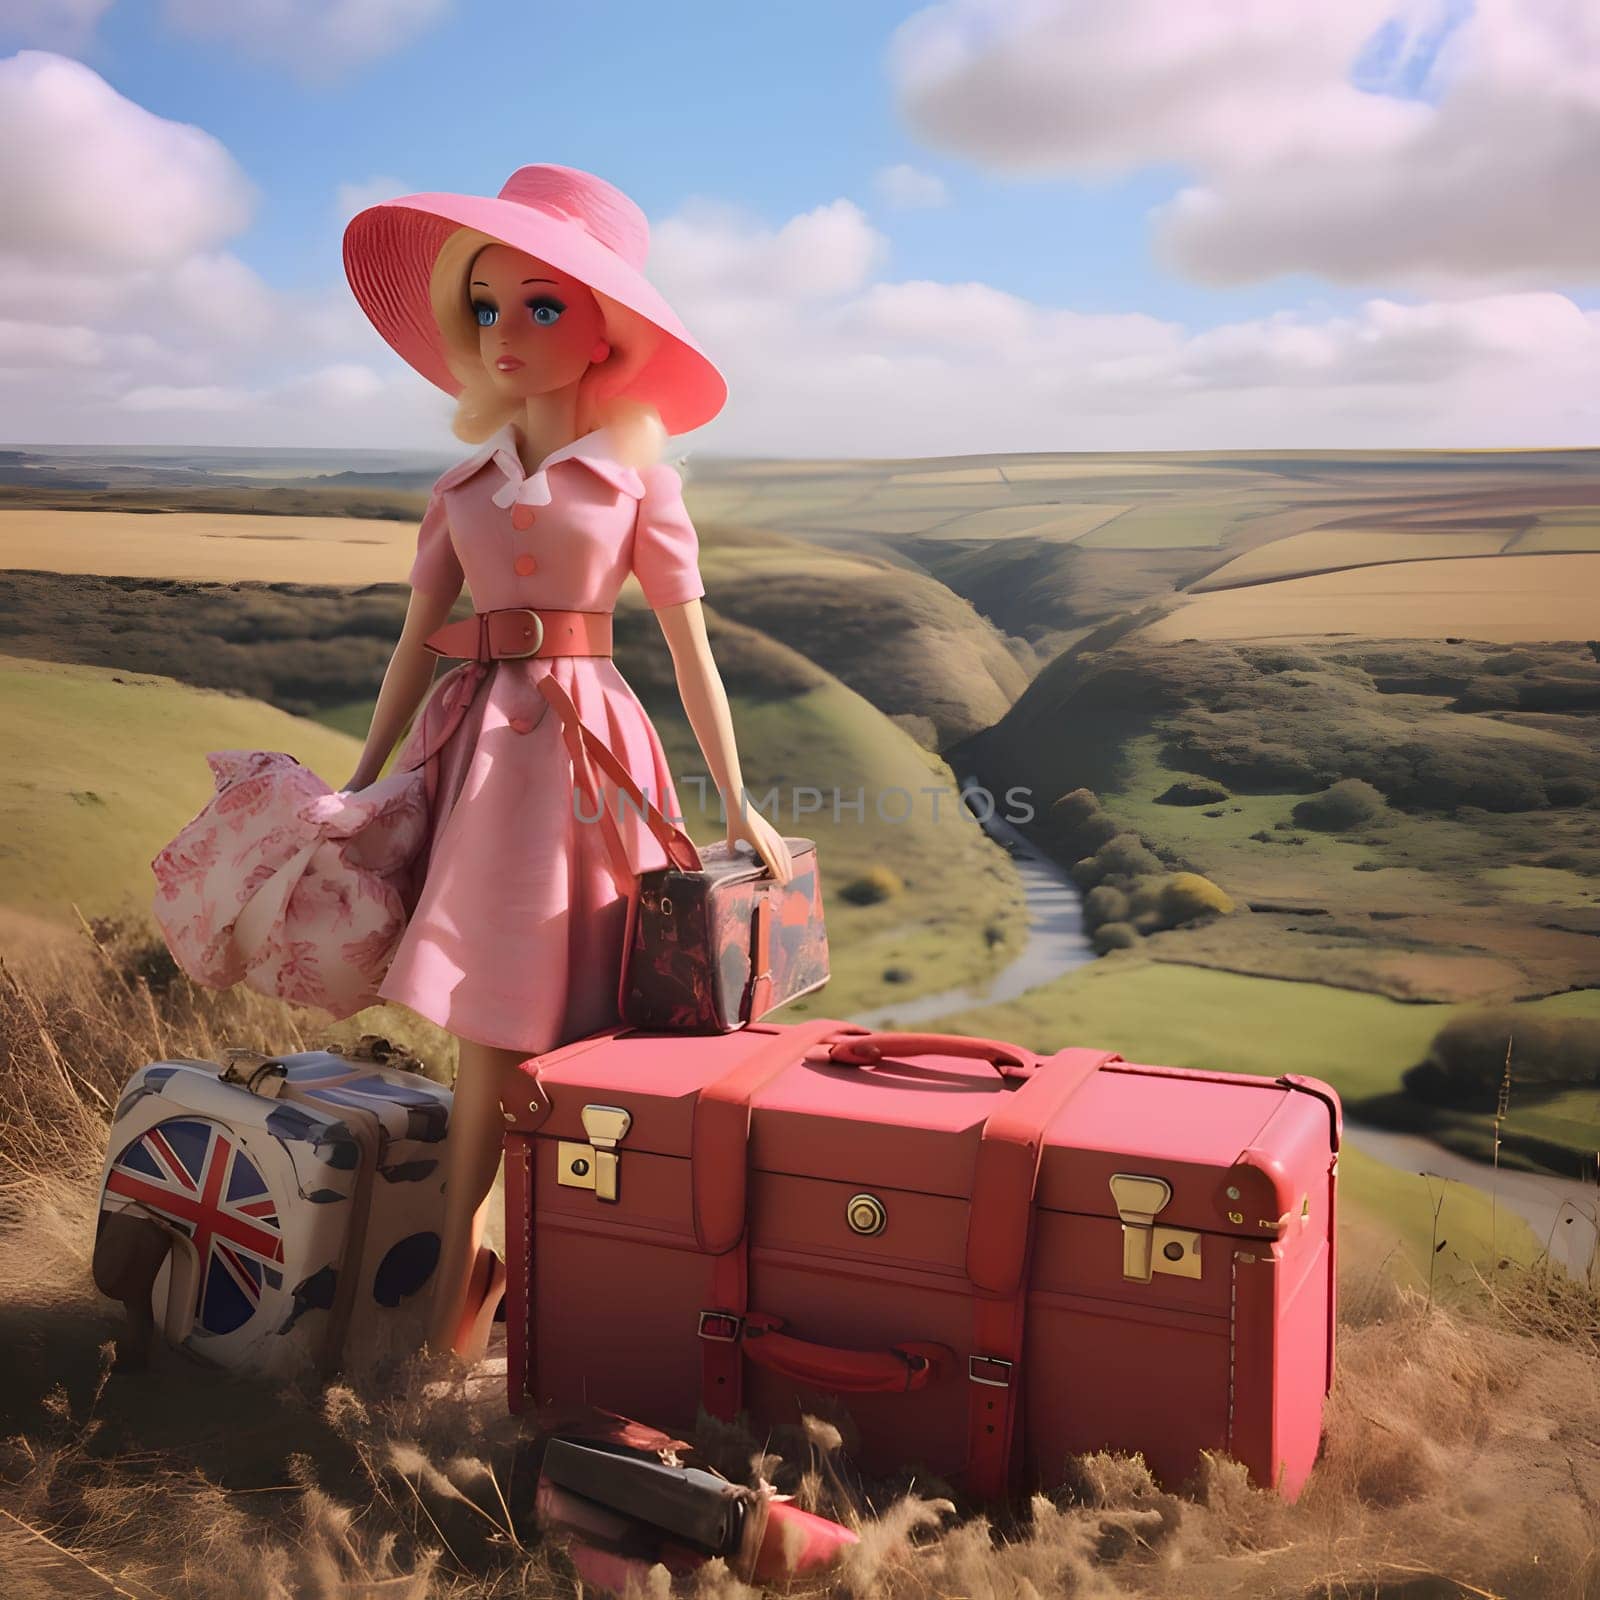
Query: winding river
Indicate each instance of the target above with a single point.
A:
(1561, 1211)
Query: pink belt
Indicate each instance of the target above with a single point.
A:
(517, 631)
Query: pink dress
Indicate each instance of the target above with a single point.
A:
(516, 935)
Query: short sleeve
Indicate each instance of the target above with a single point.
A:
(666, 549)
(436, 568)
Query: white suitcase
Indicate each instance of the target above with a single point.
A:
(279, 1214)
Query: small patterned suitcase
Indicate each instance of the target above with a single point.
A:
(298, 1200)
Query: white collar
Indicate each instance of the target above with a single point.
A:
(595, 449)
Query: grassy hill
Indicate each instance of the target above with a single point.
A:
(899, 637)
(107, 766)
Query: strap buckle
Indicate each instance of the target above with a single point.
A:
(1003, 1381)
(722, 1326)
(535, 632)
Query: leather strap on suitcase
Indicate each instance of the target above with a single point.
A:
(268, 1076)
(718, 1169)
(999, 1249)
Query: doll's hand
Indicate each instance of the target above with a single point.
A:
(766, 839)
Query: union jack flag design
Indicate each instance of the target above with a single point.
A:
(193, 1172)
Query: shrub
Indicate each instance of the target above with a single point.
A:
(874, 885)
(1193, 792)
(1104, 904)
(1186, 896)
(1570, 791)
(1096, 831)
(1087, 872)
(1511, 661)
(1466, 1062)
(1350, 803)
(1125, 856)
(1145, 895)
(1078, 822)
(1113, 936)
(1074, 807)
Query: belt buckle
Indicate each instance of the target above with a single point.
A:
(537, 631)
(722, 1326)
(1003, 1381)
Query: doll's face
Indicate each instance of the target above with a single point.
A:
(537, 327)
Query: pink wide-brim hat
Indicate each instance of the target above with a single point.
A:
(579, 224)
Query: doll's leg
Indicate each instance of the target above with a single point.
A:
(472, 1156)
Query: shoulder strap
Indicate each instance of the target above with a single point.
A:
(587, 746)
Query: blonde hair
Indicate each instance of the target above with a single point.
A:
(482, 410)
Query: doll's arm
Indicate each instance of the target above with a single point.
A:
(705, 703)
(666, 562)
(436, 579)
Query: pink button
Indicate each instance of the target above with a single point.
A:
(525, 564)
(522, 724)
(521, 516)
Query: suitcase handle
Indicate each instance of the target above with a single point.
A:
(862, 1049)
(900, 1368)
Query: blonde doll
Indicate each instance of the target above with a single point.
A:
(570, 370)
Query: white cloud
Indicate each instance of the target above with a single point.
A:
(89, 177)
(66, 25)
(710, 249)
(332, 388)
(128, 319)
(326, 391)
(26, 346)
(932, 316)
(907, 187)
(200, 399)
(318, 39)
(350, 198)
(925, 368)
(1488, 182)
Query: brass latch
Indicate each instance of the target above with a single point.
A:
(594, 1165)
(1147, 1249)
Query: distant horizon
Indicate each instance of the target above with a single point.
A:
(742, 455)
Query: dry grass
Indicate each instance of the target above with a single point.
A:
(1461, 1457)
(1502, 598)
(214, 547)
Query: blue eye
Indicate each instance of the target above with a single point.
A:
(546, 310)
(485, 313)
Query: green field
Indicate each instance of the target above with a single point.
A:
(107, 766)
(1184, 1016)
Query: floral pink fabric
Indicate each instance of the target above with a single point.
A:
(289, 887)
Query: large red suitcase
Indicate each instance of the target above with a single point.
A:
(995, 1258)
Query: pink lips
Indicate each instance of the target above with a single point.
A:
(508, 363)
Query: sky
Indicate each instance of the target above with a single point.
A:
(898, 229)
